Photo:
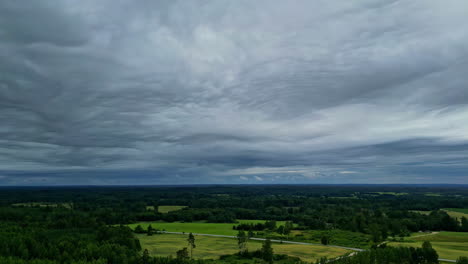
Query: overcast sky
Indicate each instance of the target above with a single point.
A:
(217, 91)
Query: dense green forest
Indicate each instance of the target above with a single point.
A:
(87, 224)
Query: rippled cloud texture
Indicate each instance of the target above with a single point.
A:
(184, 92)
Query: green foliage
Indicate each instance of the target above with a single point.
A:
(82, 225)
(267, 251)
(191, 242)
(242, 241)
(139, 229)
(403, 255)
(324, 240)
(182, 254)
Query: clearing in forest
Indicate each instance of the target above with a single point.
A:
(213, 247)
(449, 245)
(199, 227)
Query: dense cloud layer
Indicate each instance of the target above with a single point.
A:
(182, 92)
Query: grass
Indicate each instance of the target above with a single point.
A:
(337, 237)
(421, 212)
(457, 212)
(460, 210)
(169, 208)
(198, 227)
(433, 194)
(449, 245)
(453, 212)
(392, 193)
(213, 247)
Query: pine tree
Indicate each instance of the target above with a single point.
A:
(191, 242)
(139, 229)
(150, 230)
(267, 251)
(242, 241)
(145, 258)
(182, 254)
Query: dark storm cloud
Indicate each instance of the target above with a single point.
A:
(164, 92)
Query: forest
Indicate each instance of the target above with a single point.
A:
(113, 224)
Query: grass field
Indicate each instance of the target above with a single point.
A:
(213, 247)
(449, 245)
(392, 193)
(457, 212)
(453, 212)
(199, 227)
(169, 208)
(337, 237)
(421, 212)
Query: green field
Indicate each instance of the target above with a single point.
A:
(460, 210)
(337, 237)
(453, 212)
(421, 212)
(169, 208)
(213, 247)
(449, 245)
(198, 227)
(393, 193)
(457, 212)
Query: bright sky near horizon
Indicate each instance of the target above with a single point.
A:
(217, 91)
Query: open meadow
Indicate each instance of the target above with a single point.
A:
(453, 212)
(449, 245)
(199, 227)
(213, 247)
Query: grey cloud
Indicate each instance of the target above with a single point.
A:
(232, 92)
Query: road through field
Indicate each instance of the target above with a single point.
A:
(272, 240)
(289, 242)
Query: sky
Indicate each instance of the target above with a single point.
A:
(236, 92)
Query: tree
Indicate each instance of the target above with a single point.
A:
(429, 253)
(271, 225)
(287, 228)
(375, 233)
(464, 224)
(182, 254)
(280, 230)
(267, 251)
(150, 230)
(325, 240)
(242, 241)
(191, 242)
(462, 260)
(139, 229)
(145, 258)
(250, 234)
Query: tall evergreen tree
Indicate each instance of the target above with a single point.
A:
(267, 251)
(242, 241)
(191, 242)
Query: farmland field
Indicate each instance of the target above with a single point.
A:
(457, 212)
(449, 245)
(198, 227)
(453, 212)
(213, 247)
(169, 208)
